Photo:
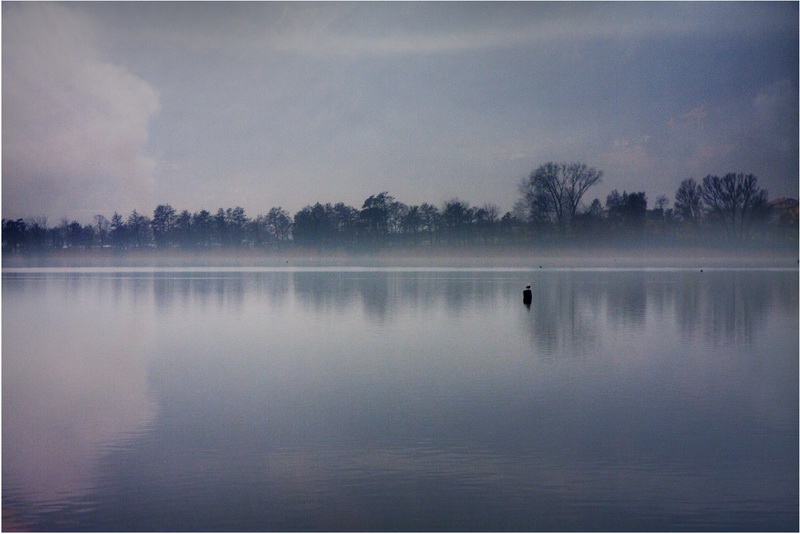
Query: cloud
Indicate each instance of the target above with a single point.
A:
(777, 104)
(379, 29)
(690, 120)
(266, 103)
(75, 127)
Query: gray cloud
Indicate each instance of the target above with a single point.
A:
(265, 104)
(75, 127)
(379, 28)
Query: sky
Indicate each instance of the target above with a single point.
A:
(116, 106)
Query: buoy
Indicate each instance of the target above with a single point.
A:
(527, 296)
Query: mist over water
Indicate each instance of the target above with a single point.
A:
(361, 398)
(592, 254)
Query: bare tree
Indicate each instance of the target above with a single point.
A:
(431, 220)
(689, 200)
(731, 200)
(103, 229)
(37, 232)
(492, 212)
(553, 191)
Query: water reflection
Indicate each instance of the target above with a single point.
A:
(74, 382)
(731, 306)
(563, 314)
(334, 292)
(569, 308)
(402, 400)
(217, 290)
(382, 294)
(626, 296)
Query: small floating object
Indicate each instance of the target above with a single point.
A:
(527, 296)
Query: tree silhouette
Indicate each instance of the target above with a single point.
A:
(183, 231)
(139, 229)
(203, 228)
(279, 225)
(315, 225)
(431, 220)
(551, 196)
(455, 218)
(628, 210)
(689, 201)
(731, 200)
(102, 229)
(119, 232)
(236, 223)
(13, 234)
(375, 215)
(553, 191)
(162, 224)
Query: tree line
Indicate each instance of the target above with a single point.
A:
(551, 207)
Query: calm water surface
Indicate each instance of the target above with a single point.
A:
(407, 400)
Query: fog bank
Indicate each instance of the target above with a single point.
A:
(529, 257)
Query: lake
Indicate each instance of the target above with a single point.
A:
(347, 399)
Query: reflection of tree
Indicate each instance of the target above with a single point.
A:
(327, 291)
(563, 313)
(626, 295)
(570, 309)
(730, 306)
(375, 292)
(381, 293)
(219, 291)
(228, 290)
(457, 293)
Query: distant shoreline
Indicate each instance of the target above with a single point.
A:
(482, 257)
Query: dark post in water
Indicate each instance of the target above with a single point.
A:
(526, 295)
